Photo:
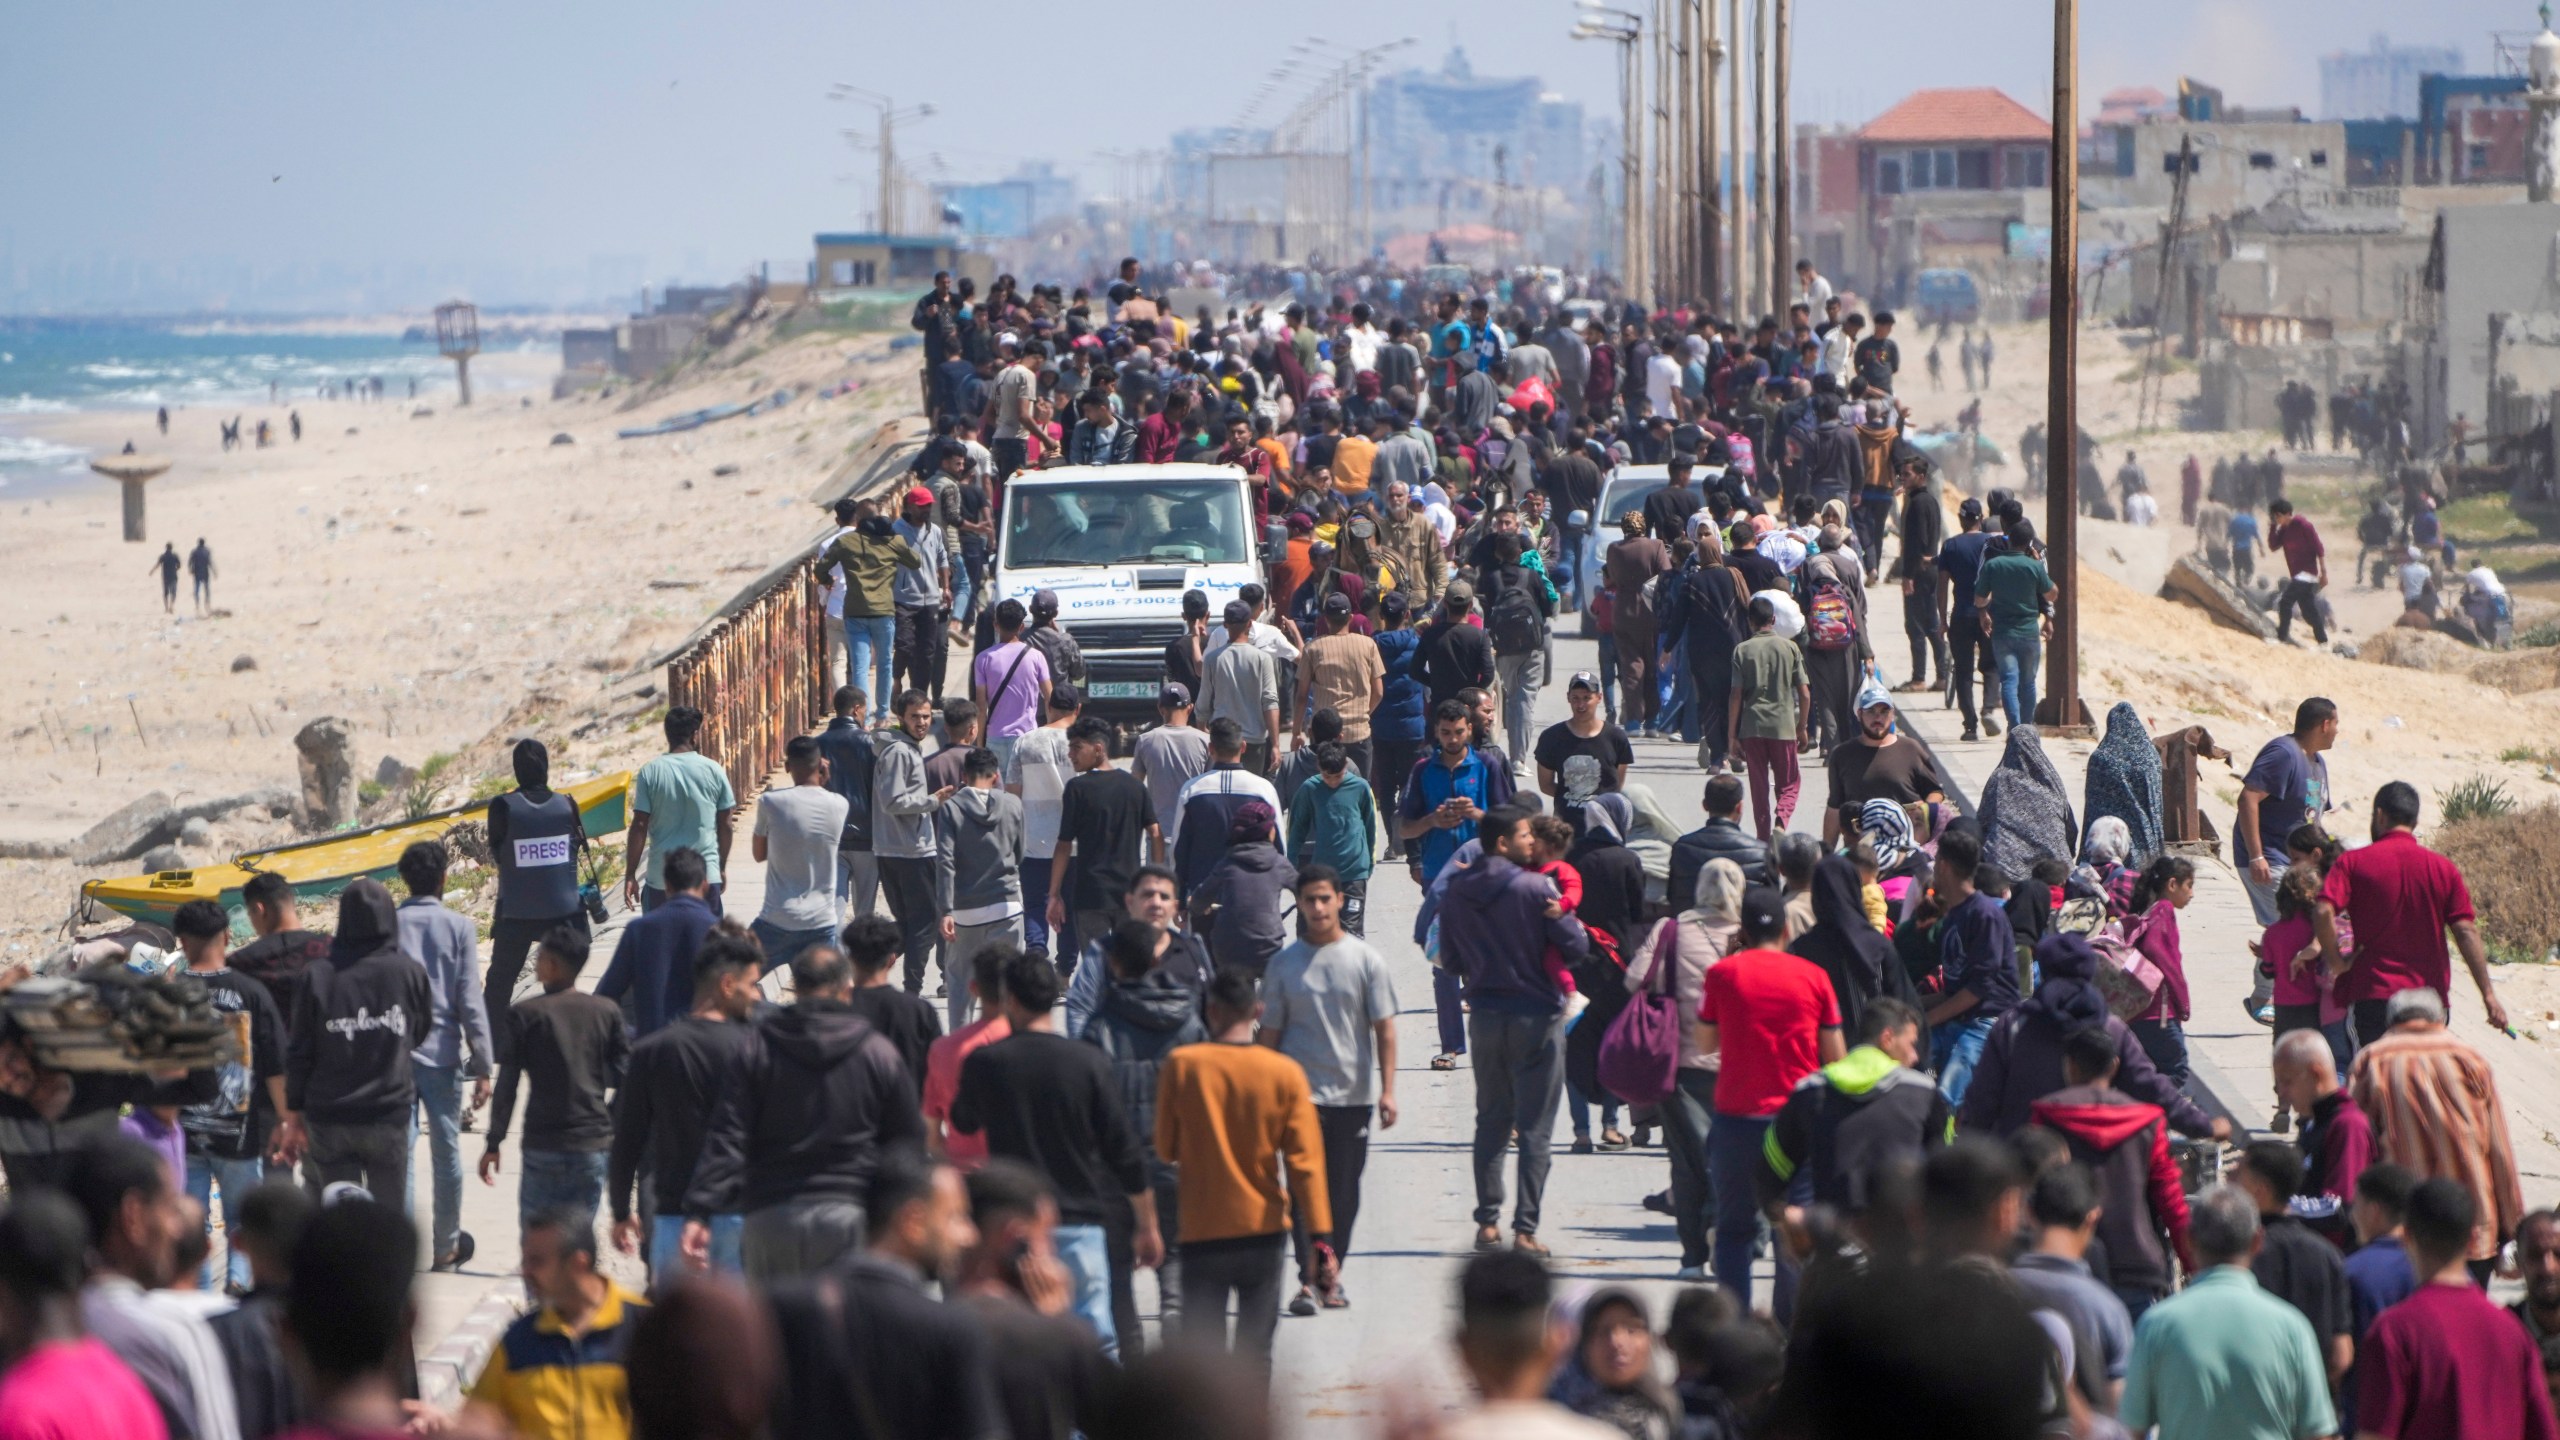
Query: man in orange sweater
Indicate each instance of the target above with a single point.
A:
(1230, 1115)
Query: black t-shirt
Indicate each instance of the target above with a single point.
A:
(1558, 745)
(1667, 512)
(909, 1024)
(1319, 451)
(1877, 354)
(234, 1124)
(278, 961)
(1759, 572)
(1860, 772)
(1180, 668)
(1055, 1105)
(2304, 1271)
(1105, 812)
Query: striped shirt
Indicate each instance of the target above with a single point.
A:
(2434, 1106)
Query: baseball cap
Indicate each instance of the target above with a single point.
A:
(1584, 680)
(1873, 694)
(1337, 603)
(1460, 590)
(1173, 696)
(1762, 910)
(1044, 602)
(1239, 613)
(1065, 696)
(919, 495)
(1971, 509)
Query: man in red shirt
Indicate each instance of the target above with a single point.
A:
(1773, 1019)
(2402, 897)
(2306, 570)
(1161, 434)
(2446, 1364)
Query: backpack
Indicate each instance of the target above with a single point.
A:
(2125, 975)
(1639, 1060)
(1830, 621)
(1513, 622)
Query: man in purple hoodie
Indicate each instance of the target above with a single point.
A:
(1497, 919)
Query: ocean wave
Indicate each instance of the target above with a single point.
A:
(33, 405)
(28, 452)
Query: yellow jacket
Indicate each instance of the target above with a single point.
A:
(552, 1385)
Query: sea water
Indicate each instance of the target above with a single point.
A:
(203, 375)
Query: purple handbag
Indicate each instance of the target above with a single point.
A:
(1639, 1057)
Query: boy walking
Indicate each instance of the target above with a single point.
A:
(1772, 695)
(573, 1047)
(1333, 822)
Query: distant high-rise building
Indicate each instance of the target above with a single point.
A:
(1448, 124)
(1012, 207)
(2381, 83)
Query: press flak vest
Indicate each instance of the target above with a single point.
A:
(538, 866)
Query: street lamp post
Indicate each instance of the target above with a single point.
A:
(2062, 381)
(890, 116)
(1625, 28)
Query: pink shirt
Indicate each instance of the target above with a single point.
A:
(76, 1390)
(942, 1084)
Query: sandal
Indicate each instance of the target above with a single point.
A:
(1488, 1238)
(1612, 1142)
(1444, 1062)
(1337, 1299)
(1303, 1303)
(1527, 1244)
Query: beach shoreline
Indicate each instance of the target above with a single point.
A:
(422, 576)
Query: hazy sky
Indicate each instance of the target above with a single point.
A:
(700, 135)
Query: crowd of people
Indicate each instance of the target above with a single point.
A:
(1013, 1025)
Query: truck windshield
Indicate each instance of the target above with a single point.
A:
(1193, 522)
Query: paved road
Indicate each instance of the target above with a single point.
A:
(1337, 1370)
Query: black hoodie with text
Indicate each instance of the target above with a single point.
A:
(814, 1097)
(363, 1009)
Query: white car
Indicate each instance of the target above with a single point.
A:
(1626, 488)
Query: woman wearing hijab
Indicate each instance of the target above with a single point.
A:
(1857, 957)
(1612, 909)
(1900, 861)
(2124, 783)
(1834, 671)
(2025, 812)
(1697, 938)
(2485, 604)
(1610, 1374)
(2103, 874)
(2022, 1060)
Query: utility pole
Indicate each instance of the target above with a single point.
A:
(1665, 256)
(2062, 381)
(1737, 214)
(1759, 145)
(1709, 162)
(1684, 134)
(890, 115)
(1782, 176)
(1624, 28)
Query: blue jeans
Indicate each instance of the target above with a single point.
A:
(666, 1247)
(2165, 1041)
(1448, 998)
(1957, 1045)
(2016, 658)
(1035, 906)
(440, 1096)
(560, 1180)
(782, 946)
(1733, 1161)
(1086, 1252)
(235, 1179)
(1578, 1109)
(870, 641)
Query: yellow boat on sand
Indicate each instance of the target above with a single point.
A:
(324, 865)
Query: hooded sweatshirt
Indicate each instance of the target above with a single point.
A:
(1844, 1122)
(1246, 887)
(2127, 1143)
(981, 834)
(363, 1009)
(1494, 934)
(815, 1096)
(902, 805)
(1137, 1025)
(2022, 1060)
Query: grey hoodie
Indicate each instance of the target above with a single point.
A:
(980, 842)
(901, 803)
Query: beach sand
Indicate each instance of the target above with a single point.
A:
(424, 579)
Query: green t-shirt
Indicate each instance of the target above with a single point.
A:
(683, 794)
(1766, 672)
(2016, 585)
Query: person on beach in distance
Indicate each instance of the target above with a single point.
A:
(168, 563)
(200, 570)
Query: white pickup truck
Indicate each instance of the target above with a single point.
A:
(1120, 544)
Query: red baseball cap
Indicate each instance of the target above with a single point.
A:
(919, 495)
